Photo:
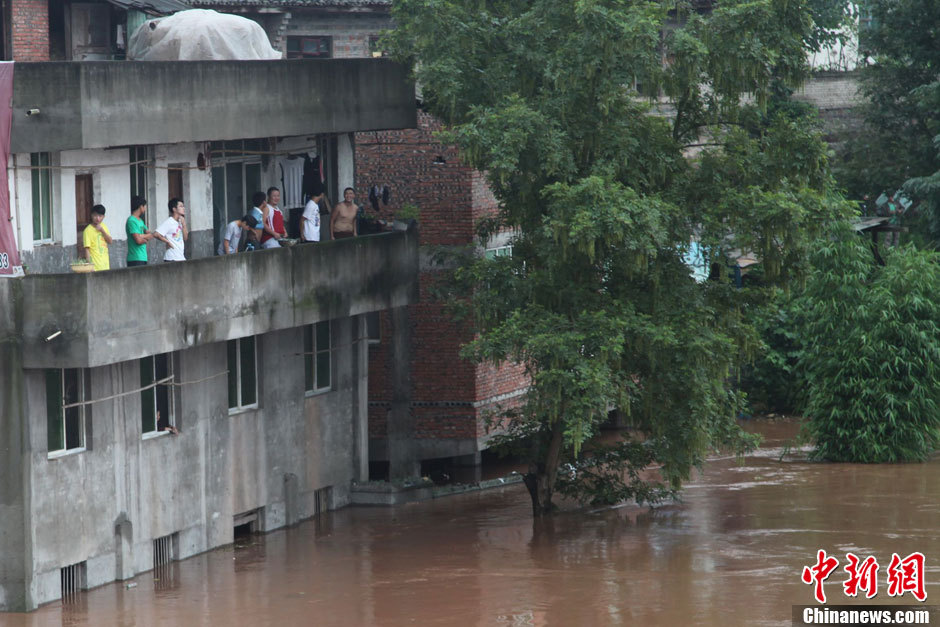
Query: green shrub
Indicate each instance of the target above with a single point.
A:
(871, 358)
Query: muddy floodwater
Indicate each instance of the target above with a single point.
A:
(730, 554)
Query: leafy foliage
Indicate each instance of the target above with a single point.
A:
(773, 382)
(872, 359)
(603, 191)
(902, 118)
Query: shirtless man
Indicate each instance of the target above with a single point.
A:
(343, 222)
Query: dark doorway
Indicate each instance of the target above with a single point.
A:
(175, 183)
(84, 201)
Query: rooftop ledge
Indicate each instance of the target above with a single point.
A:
(101, 104)
(88, 320)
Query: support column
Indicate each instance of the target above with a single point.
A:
(403, 462)
(360, 348)
(469, 468)
(14, 542)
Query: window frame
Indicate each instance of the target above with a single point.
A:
(245, 155)
(41, 178)
(170, 390)
(375, 48)
(312, 353)
(240, 405)
(498, 251)
(138, 171)
(300, 54)
(83, 394)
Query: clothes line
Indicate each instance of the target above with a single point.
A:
(164, 381)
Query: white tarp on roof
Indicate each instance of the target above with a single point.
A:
(200, 35)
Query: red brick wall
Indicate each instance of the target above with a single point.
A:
(484, 202)
(404, 161)
(450, 197)
(30, 30)
(494, 382)
(445, 422)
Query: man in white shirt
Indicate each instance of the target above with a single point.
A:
(310, 220)
(173, 231)
(232, 233)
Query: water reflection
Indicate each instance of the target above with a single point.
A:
(730, 553)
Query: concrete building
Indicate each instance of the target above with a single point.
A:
(438, 403)
(259, 360)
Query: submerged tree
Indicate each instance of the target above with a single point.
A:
(604, 189)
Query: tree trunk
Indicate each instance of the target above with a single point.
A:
(540, 480)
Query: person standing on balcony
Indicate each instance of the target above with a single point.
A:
(310, 220)
(137, 233)
(173, 232)
(344, 216)
(273, 220)
(95, 238)
(232, 234)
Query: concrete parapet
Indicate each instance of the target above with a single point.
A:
(108, 317)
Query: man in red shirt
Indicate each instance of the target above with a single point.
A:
(273, 220)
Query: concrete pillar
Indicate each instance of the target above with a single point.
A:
(13, 438)
(403, 461)
(469, 468)
(345, 163)
(291, 492)
(360, 350)
(123, 548)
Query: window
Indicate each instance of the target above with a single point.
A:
(157, 404)
(65, 415)
(242, 374)
(42, 196)
(72, 580)
(317, 357)
(309, 47)
(499, 251)
(236, 175)
(375, 47)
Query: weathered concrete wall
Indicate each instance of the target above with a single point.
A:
(105, 505)
(106, 317)
(97, 104)
(12, 438)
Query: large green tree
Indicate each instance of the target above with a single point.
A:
(901, 109)
(604, 188)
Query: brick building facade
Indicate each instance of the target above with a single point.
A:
(450, 396)
(29, 26)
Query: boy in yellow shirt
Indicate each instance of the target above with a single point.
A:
(96, 238)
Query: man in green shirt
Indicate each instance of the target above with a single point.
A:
(137, 233)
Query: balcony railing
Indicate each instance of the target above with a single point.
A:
(87, 320)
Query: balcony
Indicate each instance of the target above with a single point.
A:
(99, 104)
(88, 320)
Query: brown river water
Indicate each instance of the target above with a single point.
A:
(731, 553)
